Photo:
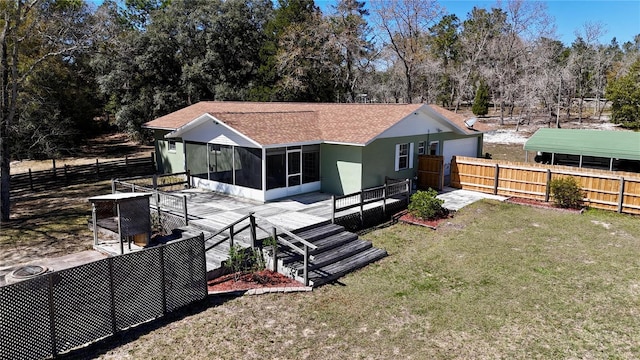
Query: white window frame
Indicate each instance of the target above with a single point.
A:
(171, 146)
(421, 147)
(408, 155)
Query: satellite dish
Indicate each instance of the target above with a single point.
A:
(470, 122)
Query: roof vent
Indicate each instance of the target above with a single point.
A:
(469, 122)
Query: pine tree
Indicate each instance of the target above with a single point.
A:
(481, 102)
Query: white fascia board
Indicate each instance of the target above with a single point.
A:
(346, 143)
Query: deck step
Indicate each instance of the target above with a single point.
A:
(337, 270)
(336, 254)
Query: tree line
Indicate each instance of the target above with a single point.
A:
(66, 63)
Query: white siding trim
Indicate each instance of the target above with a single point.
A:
(396, 167)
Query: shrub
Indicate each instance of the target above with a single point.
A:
(425, 205)
(566, 193)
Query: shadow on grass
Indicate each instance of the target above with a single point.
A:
(121, 338)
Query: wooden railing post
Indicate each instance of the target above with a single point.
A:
(333, 209)
(621, 195)
(496, 179)
(113, 185)
(184, 208)
(252, 229)
(154, 181)
(188, 179)
(274, 234)
(306, 265)
(548, 187)
(362, 207)
(384, 200)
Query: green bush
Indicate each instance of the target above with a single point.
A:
(566, 193)
(425, 205)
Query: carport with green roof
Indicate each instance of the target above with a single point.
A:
(601, 149)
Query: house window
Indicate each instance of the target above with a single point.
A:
(404, 156)
(172, 146)
(421, 146)
(433, 147)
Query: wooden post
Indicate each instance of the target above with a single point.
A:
(54, 167)
(153, 161)
(30, 180)
(126, 164)
(252, 229)
(621, 195)
(496, 179)
(274, 234)
(548, 189)
(66, 179)
(231, 236)
(97, 169)
(384, 200)
(113, 185)
(155, 181)
(188, 179)
(306, 265)
(333, 209)
(184, 208)
(94, 218)
(361, 209)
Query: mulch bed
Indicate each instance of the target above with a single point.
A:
(431, 224)
(249, 281)
(541, 204)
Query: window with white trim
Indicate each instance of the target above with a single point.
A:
(172, 146)
(421, 146)
(404, 156)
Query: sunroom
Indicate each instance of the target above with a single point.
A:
(222, 159)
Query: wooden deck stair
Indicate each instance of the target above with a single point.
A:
(339, 253)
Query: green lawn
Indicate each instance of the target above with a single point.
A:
(496, 281)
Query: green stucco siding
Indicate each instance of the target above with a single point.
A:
(341, 168)
(168, 161)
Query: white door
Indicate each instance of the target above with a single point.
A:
(294, 171)
(460, 147)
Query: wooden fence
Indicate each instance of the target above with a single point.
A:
(609, 190)
(76, 174)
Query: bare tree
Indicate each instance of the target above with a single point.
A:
(405, 24)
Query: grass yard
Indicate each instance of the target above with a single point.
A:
(497, 281)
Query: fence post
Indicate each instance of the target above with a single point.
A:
(30, 180)
(66, 178)
(252, 229)
(188, 179)
(157, 198)
(52, 318)
(231, 237)
(184, 208)
(113, 185)
(94, 219)
(548, 189)
(153, 161)
(155, 181)
(54, 167)
(333, 209)
(495, 179)
(126, 164)
(274, 234)
(621, 194)
(97, 170)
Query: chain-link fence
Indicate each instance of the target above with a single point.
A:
(59, 311)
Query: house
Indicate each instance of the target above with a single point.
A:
(266, 151)
(599, 149)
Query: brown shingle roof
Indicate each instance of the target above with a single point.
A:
(281, 123)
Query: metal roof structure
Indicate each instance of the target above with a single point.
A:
(598, 143)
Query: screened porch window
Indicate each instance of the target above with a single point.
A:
(227, 164)
(310, 163)
(276, 177)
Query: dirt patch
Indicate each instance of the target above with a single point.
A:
(256, 280)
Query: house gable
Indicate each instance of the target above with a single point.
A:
(416, 123)
(207, 128)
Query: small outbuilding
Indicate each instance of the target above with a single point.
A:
(598, 149)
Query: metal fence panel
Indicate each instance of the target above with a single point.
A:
(25, 324)
(82, 304)
(185, 273)
(137, 287)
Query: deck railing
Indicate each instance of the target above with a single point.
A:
(276, 233)
(160, 200)
(391, 189)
